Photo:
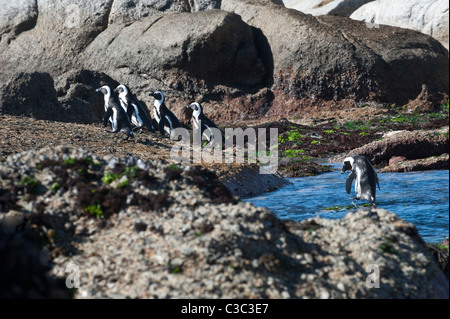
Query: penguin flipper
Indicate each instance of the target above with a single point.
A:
(145, 118)
(349, 182)
(161, 125)
(108, 114)
(378, 184)
(130, 112)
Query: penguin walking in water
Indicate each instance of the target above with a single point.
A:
(204, 124)
(167, 121)
(364, 175)
(136, 113)
(115, 114)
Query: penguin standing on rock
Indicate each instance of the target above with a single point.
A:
(115, 114)
(364, 175)
(167, 121)
(204, 124)
(135, 111)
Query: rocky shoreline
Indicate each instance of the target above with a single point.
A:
(179, 233)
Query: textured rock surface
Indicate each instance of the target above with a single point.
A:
(242, 68)
(423, 164)
(332, 59)
(411, 145)
(179, 234)
(204, 49)
(430, 17)
(31, 95)
(343, 8)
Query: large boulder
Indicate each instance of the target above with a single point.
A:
(15, 18)
(237, 66)
(205, 50)
(323, 61)
(342, 8)
(411, 145)
(430, 16)
(126, 11)
(76, 93)
(32, 95)
(62, 30)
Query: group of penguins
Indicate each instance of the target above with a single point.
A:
(126, 114)
(131, 115)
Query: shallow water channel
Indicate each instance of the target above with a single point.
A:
(421, 198)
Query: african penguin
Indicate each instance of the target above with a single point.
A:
(115, 113)
(167, 121)
(204, 124)
(135, 111)
(364, 175)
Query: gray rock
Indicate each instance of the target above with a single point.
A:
(214, 46)
(335, 58)
(32, 95)
(16, 17)
(430, 17)
(125, 11)
(343, 8)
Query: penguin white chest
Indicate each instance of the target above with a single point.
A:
(358, 182)
(156, 111)
(114, 119)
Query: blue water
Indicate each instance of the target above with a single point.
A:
(421, 198)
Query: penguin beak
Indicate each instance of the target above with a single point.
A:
(98, 90)
(116, 89)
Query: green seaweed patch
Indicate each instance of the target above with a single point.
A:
(335, 208)
(109, 177)
(95, 210)
(290, 136)
(29, 184)
(356, 126)
(293, 153)
(123, 183)
(441, 247)
(55, 186)
(387, 248)
(309, 226)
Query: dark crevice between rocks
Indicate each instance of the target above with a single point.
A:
(28, 24)
(264, 52)
(208, 181)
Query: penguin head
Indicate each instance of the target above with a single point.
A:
(121, 89)
(195, 107)
(347, 164)
(158, 95)
(104, 89)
